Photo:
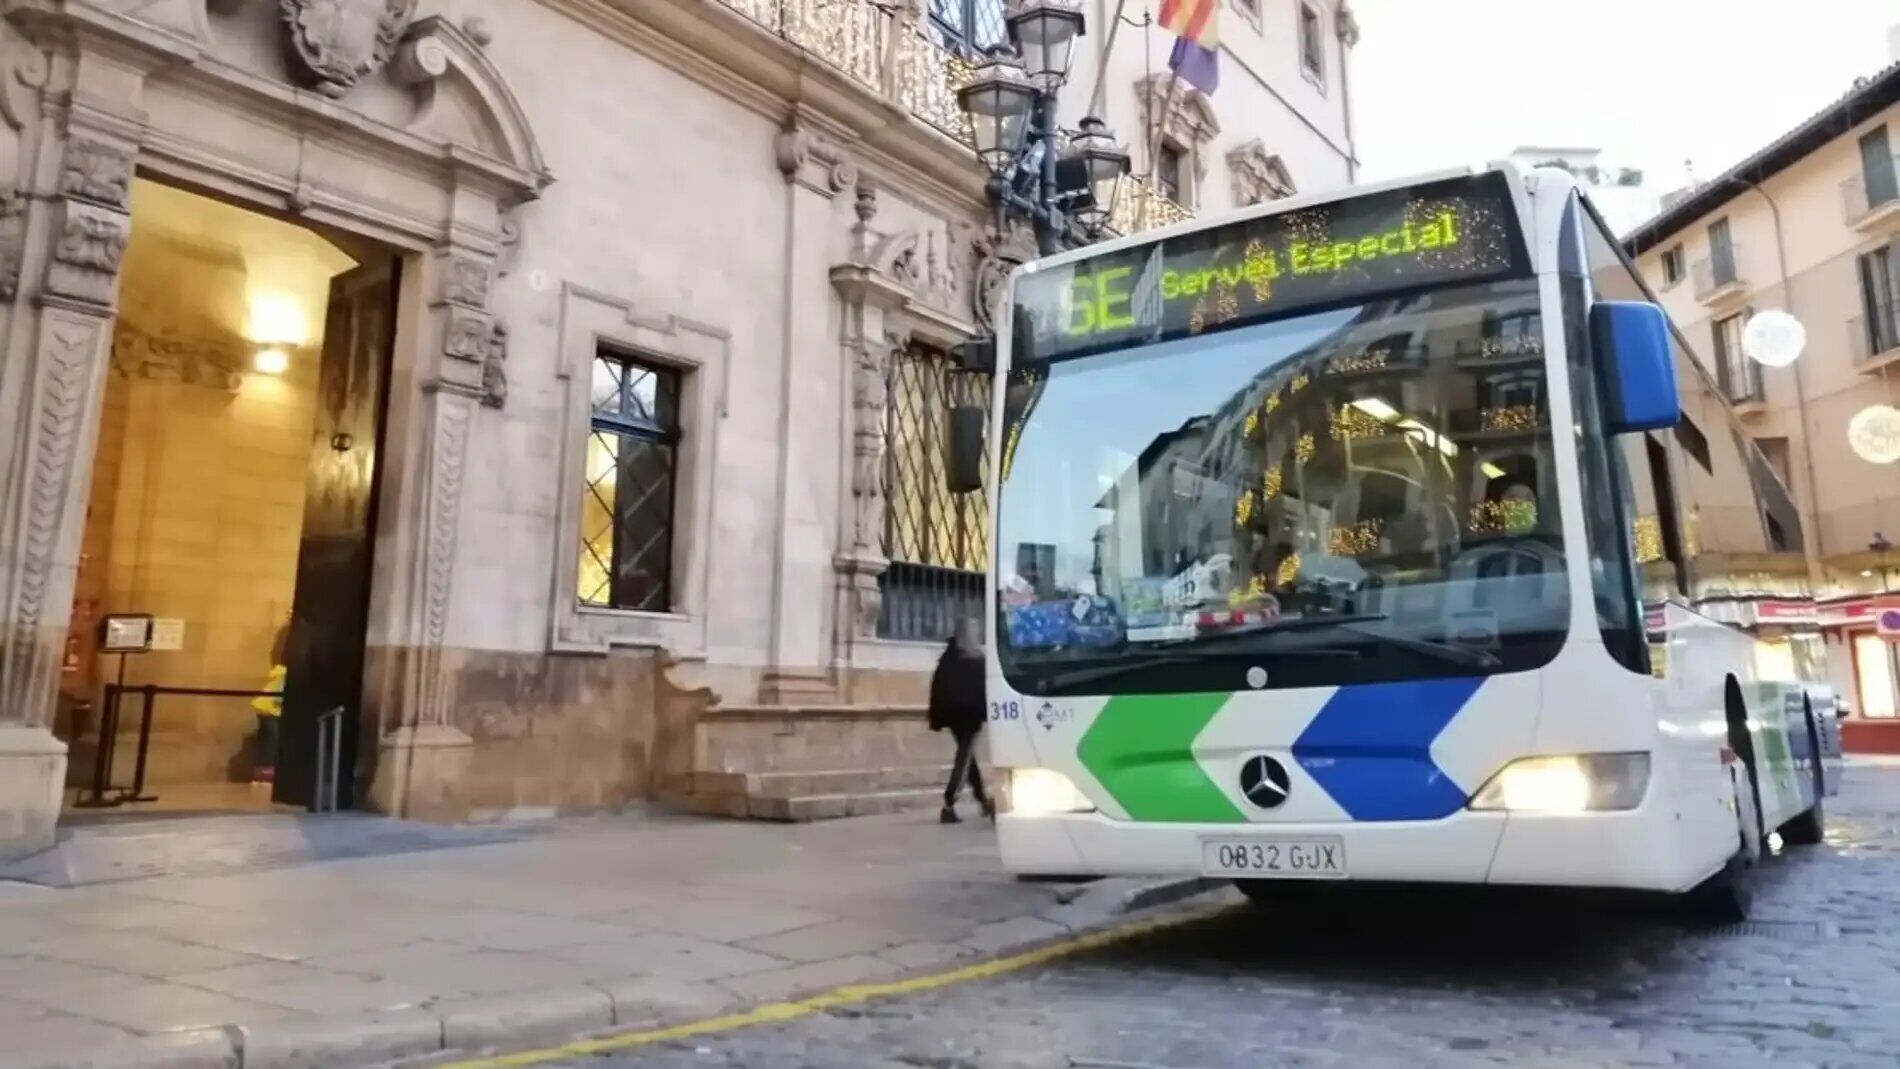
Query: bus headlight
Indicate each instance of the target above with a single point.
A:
(1035, 792)
(1577, 783)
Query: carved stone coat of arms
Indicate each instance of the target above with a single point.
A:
(335, 42)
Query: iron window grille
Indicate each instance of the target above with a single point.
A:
(632, 460)
(936, 542)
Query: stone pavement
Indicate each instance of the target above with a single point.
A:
(576, 926)
(1420, 981)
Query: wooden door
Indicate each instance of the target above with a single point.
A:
(329, 612)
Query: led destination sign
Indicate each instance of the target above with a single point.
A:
(1347, 252)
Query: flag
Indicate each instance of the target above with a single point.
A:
(1193, 20)
(1197, 65)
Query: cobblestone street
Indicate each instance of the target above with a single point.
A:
(1404, 978)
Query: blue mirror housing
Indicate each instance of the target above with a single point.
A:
(1633, 337)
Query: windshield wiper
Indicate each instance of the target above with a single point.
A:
(1347, 622)
(1444, 651)
(1137, 663)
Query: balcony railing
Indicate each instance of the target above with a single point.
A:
(1742, 382)
(898, 57)
(1143, 207)
(1870, 193)
(892, 56)
(1715, 274)
(1874, 340)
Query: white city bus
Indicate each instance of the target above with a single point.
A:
(1360, 536)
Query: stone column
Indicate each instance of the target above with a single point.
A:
(73, 227)
(422, 756)
(816, 170)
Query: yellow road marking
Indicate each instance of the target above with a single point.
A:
(778, 1012)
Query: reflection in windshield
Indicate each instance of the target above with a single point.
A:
(1388, 462)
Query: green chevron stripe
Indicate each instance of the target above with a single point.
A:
(1140, 749)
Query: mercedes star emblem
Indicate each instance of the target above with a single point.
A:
(1264, 781)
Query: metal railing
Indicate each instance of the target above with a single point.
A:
(323, 795)
(105, 756)
(1713, 273)
(1868, 192)
(1873, 339)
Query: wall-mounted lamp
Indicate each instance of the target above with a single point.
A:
(271, 360)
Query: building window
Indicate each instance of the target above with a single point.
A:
(1672, 265)
(626, 559)
(1877, 173)
(1879, 326)
(1312, 43)
(1739, 377)
(969, 26)
(1169, 173)
(937, 542)
(1721, 254)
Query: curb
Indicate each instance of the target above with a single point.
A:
(1167, 892)
(467, 1027)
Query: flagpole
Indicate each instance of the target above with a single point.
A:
(1098, 94)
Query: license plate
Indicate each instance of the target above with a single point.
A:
(1283, 858)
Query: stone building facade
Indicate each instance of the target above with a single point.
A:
(633, 395)
(1810, 225)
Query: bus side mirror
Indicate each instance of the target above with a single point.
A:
(963, 459)
(1633, 337)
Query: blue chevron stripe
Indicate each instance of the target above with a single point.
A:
(1370, 748)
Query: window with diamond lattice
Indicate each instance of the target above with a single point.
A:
(627, 505)
(969, 26)
(937, 541)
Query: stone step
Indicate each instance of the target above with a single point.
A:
(815, 711)
(833, 806)
(836, 781)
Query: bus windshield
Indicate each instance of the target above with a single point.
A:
(1360, 493)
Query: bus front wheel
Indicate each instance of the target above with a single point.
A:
(1725, 897)
(1811, 826)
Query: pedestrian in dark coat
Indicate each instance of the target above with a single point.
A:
(957, 706)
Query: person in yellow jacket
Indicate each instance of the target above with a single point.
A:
(270, 709)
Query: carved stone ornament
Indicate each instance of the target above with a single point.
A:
(466, 282)
(333, 43)
(870, 394)
(467, 337)
(797, 147)
(97, 171)
(12, 241)
(1258, 175)
(996, 256)
(495, 369)
(1185, 116)
(88, 252)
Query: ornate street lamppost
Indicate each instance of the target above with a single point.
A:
(1066, 191)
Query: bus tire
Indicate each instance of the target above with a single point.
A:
(1744, 746)
(1724, 898)
(1810, 827)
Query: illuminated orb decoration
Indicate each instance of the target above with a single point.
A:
(1874, 434)
(1774, 338)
